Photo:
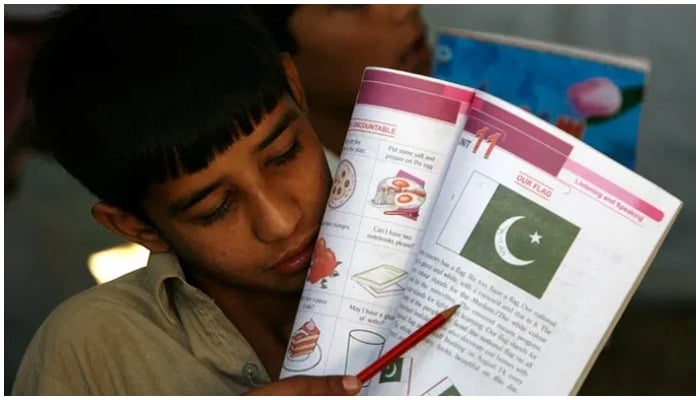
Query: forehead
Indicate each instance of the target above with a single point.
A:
(238, 159)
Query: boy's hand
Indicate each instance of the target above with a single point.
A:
(310, 386)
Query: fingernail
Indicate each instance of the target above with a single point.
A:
(351, 384)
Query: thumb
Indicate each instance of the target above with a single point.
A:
(311, 386)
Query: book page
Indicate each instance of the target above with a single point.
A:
(541, 240)
(403, 131)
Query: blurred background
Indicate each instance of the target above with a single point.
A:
(49, 233)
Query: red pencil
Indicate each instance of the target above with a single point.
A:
(403, 346)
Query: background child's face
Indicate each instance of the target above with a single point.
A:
(251, 217)
(336, 42)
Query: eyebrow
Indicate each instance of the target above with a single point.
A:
(279, 127)
(182, 205)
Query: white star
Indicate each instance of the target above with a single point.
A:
(535, 238)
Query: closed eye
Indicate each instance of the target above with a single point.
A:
(218, 213)
(288, 155)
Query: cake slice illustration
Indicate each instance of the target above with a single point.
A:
(304, 339)
(304, 353)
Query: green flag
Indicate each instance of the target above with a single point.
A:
(520, 241)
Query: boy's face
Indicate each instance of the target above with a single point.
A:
(250, 219)
(336, 42)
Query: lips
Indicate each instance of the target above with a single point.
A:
(298, 260)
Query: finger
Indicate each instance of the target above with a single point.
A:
(312, 386)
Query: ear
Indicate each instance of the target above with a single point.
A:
(294, 81)
(129, 227)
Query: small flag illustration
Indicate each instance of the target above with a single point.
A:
(450, 391)
(443, 388)
(392, 372)
(395, 378)
(520, 241)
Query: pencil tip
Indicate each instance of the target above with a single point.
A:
(450, 311)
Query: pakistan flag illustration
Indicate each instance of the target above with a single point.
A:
(519, 241)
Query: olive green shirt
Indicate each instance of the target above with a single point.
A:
(147, 333)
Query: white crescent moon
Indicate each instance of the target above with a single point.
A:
(499, 241)
(394, 370)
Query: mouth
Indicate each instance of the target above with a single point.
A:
(297, 259)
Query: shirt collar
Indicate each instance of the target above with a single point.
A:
(240, 361)
(164, 267)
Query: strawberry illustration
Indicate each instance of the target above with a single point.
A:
(323, 264)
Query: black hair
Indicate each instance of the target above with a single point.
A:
(275, 17)
(130, 96)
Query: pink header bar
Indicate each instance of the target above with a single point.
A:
(519, 137)
(622, 194)
(409, 100)
(518, 123)
(520, 144)
(420, 83)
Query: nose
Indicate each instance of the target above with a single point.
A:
(274, 216)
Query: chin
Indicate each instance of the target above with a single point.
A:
(288, 284)
(424, 66)
(422, 69)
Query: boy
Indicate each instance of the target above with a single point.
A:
(189, 127)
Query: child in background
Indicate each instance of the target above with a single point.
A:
(332, 44)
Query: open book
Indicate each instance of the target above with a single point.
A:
(447, 195)
(594, 96)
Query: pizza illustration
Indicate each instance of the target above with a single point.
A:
(343, 184)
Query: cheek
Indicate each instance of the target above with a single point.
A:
(312, 188)
(350, 51)
(217, 242)
(322, 182)
(374, 45)
(376, 52)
